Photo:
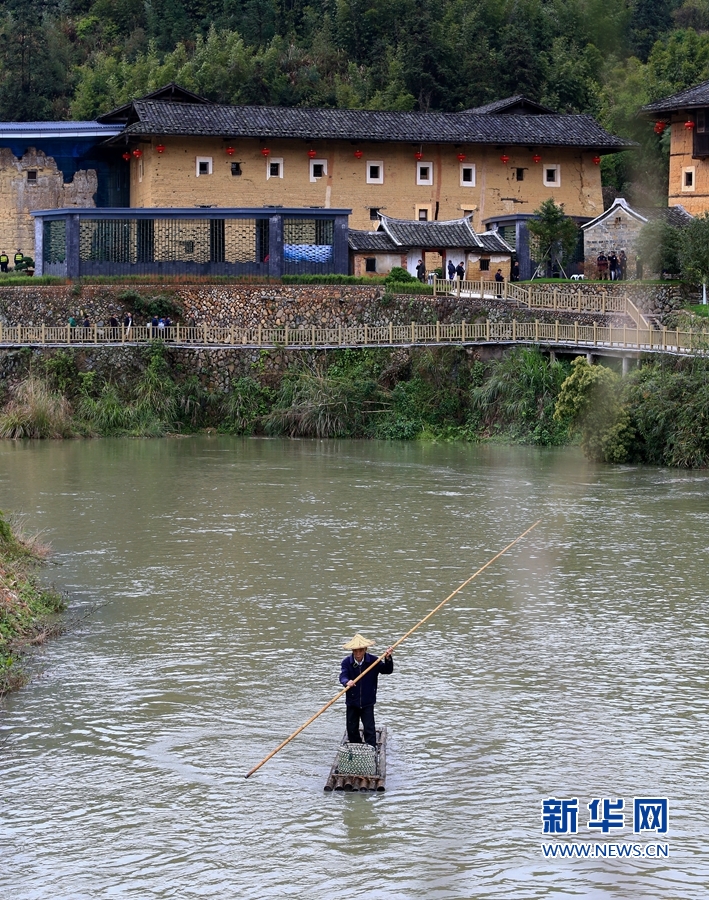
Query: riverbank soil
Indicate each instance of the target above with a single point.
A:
(28, 613)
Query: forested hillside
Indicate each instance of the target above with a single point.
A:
(78, 58)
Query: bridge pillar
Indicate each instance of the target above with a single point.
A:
(590, 358)
(626, 365)
(552, 357)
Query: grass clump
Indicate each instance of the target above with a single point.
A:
(36, 411)
(29, 615)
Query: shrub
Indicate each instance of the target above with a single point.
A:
(242, 409)
(313, 405)
(399, 275)
(519, 397)
(590, 400)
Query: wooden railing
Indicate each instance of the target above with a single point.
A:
(585, 337)
(557, 299)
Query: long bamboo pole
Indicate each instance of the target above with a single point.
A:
(392, 647)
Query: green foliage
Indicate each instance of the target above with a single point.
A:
(590, 400)
(660, 246)
(519, 397)
(694, 249)
(554, 235)
(332, 279)
(669, 405)
(311, 404)
(147, 307)
(399, 275)
(243, 408)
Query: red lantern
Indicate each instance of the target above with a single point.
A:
(312, 153)
(461, 157)
(660, 127)
(358, 154)
(160, 148)
(596, 160)
(229, 151)
(536, 158)
(418, 155)
(265, 151)
(504, 158)
(689, 124)
(126, 156)
(137, 153)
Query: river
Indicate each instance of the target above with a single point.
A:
(213, 581)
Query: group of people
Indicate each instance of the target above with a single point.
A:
(612, 267)
(159, 322)
(18, 258)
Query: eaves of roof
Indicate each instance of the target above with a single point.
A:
(264, 123)
(43, 130)
(690, 98)
(618, 203)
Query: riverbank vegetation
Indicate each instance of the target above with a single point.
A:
(29, 614)
(658, 414)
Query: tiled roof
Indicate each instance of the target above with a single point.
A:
(686, 99)
(677, 216)
(155, 117)
(405, 233)
(518, 103)
(494, 242)
(363, 241)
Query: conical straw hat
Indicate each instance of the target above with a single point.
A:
(358, 643)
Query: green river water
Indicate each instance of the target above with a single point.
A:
(222, 576)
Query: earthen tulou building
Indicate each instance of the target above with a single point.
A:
(686, 114)
(491, 166)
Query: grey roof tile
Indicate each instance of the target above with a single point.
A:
(155, 117)
(689, 98)
(518, 102)
(363, 241)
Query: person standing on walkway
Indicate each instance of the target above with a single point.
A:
(19, 258)
(421, 270)
(460, 270)
(361, 697)
(451, 270)
(4, 261)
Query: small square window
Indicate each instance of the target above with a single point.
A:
(467, 176)
(236, 168)
(141, 169)
(32, 176)
(423, 214)
(374, 213)
(375, 171)
(688, 178)
(519, 174)
(484, 265)
(189, 246)
(274, 168)
(424, 173)
(552, 176)
(318, 169)
(204, 165)
(370, 264)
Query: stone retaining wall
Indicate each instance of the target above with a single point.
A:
(253, 305)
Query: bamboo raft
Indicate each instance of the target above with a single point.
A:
(336, 781)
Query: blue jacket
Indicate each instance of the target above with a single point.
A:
(364, 693)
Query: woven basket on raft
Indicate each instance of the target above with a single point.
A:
(356, 759)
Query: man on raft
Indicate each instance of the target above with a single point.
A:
(361, 697)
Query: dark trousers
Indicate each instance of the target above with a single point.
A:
(366, 714)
